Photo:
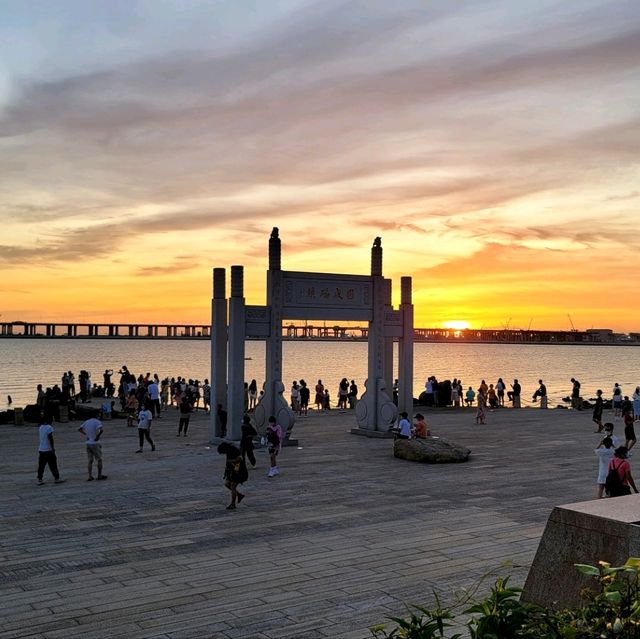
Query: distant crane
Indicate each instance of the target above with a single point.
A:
(573, 328)
(508, 323)
(530, 322)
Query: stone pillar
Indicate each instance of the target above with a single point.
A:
(218, 350)
(375, 411)
(405, 348)
(237, 331)
(388, 341)
(273, 402)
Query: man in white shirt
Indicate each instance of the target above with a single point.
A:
(92, 429)
(144, 426)
(47, 454)
(154, 396)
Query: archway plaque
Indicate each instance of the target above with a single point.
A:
(293, 295)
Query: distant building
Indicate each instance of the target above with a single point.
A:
(602, 335)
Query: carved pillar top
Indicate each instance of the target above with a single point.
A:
(219, 283)
(405, 290)
(376, 257)
(275, 250)
(237, 281)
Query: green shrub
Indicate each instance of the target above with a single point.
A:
(611, 610)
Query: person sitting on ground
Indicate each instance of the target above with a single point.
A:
(420, 428)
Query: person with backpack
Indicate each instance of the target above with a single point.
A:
(274, 438)
(605, 452)
(235, 472)
(619, 480)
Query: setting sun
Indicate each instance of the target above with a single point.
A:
(458, 325)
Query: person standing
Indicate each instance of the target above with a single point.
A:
(154, 398)
(343, 391)
(304, 395)
(253, 395)
(185, 409)
(246, 440)
(319, 395)
(222, 419)
(274, 441)
(144, 427)
(295, 397)
(621, 465)
(597, 411)
(500, 388)
(629, 430)
(353, 394)
(47, 454)
(636, 403)
(235, 472)
(616, 400)
(576, 404)
(206, 396)
(605, 452)
(92, 429)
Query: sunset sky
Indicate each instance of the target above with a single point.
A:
(494, 146)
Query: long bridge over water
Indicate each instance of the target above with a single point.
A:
(101, 330)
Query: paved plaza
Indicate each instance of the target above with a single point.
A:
(340, 540)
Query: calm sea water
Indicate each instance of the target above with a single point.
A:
(25, 363)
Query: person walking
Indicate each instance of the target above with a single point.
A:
(185, 409)
(621, 465)
(144, 427)
(246, 440)
(92, 430)
(235, 472)
(47, 454)
(274, 441)
(605, 452)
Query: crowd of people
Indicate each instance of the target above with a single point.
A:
(143, 398)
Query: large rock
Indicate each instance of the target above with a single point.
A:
(432, 450)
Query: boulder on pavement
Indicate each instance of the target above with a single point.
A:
(432, 450)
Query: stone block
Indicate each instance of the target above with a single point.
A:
(581, 533)
(431, 450)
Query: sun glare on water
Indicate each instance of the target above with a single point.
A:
(458, 325)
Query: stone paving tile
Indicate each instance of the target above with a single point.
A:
(338, 542)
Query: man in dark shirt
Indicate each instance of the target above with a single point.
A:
(222, 418)
(514, 393)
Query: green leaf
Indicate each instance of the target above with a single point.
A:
(614, 596)
(585, 569)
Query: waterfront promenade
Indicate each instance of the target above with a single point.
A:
(339, 541)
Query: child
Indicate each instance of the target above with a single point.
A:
(420, 428)
(235, 472)
(274, 441)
